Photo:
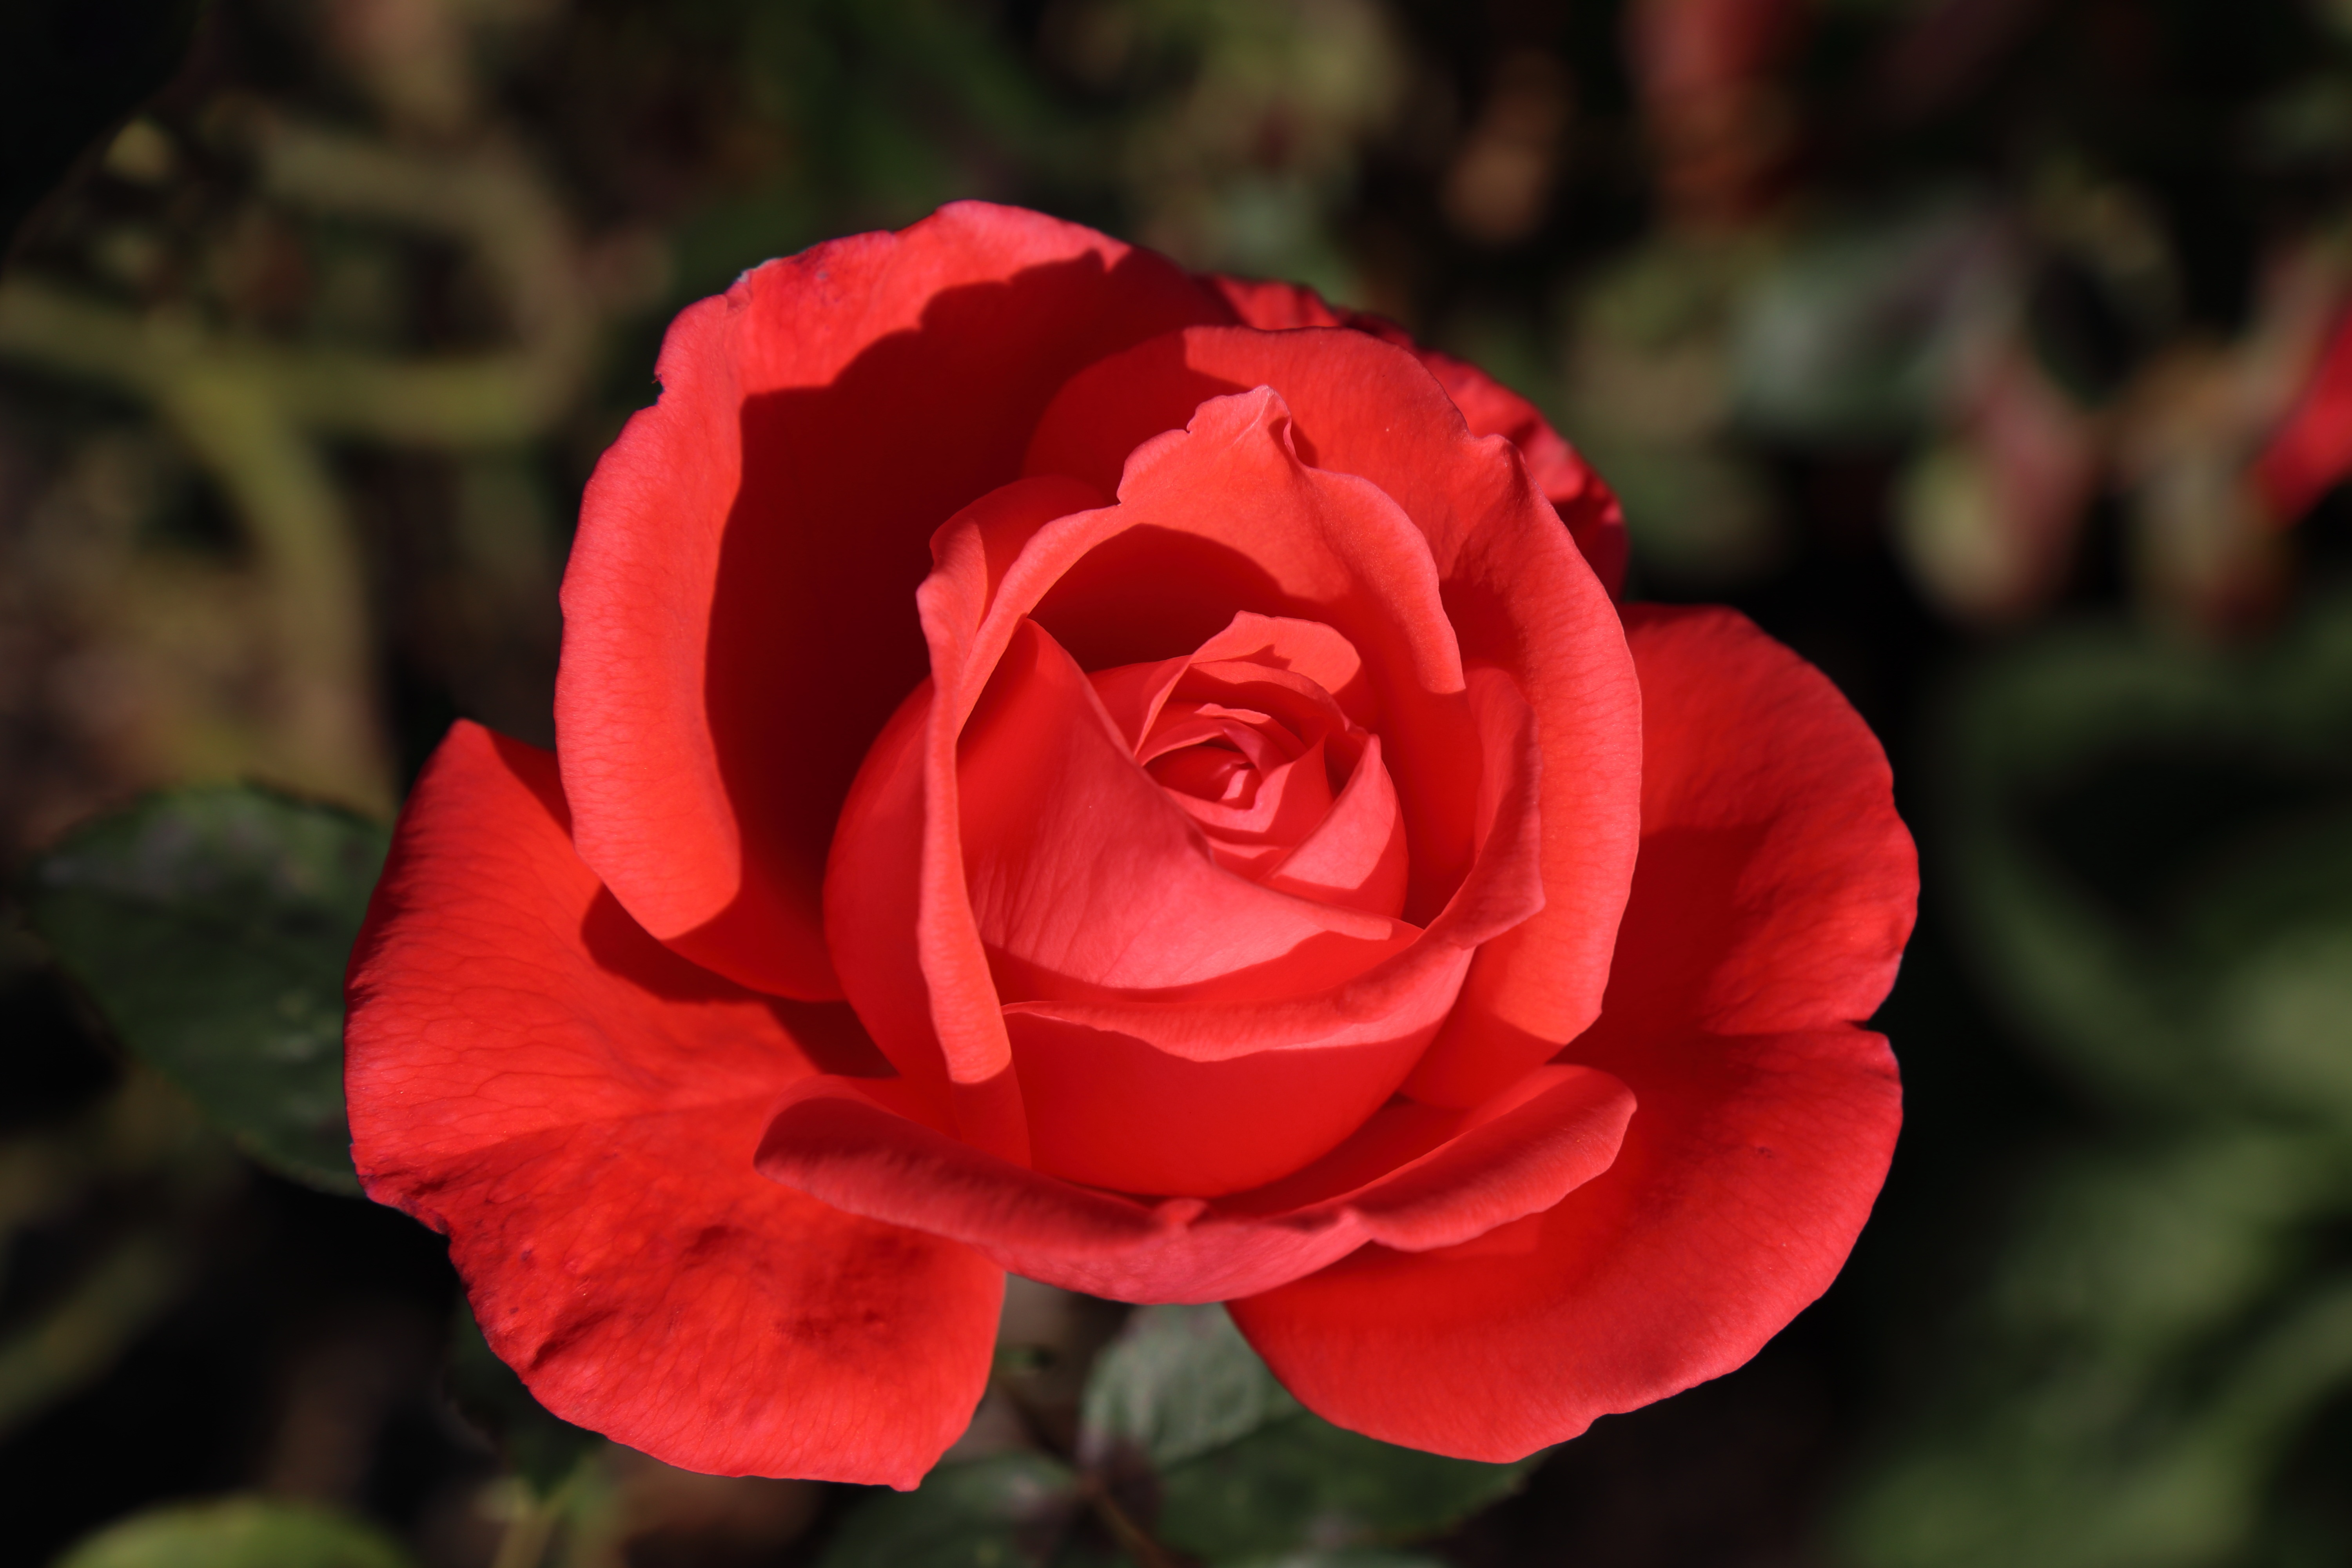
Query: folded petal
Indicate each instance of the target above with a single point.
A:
(577, 1107)
(1517, 596)
(1085, 878)
(1593, 518)
(1219, 1091)
(1356, 857)
(1407, 995)
(1744, 1176)
(831, 1139)
(1222, 512)
(899, 918)
(1772, 898)
(736, 625)
(1781, 883)
(1310, 649)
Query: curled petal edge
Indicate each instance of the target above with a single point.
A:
(837, 1140)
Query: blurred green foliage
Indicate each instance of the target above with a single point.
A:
(241, 1532)
(2166, 1317)
(1186, 1443)
(139, 1181)
(1009, 1510)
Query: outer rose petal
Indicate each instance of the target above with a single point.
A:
(732, 630)
(1593, 518)
(577, 1109)
(1754, 761)
(1771, 901)
(1428, 1184)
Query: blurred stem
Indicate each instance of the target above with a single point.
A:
(309, 557)
(258, 413)
(144, 1132)
(530, 1525)
(472, 402)
(80, 1336)
(1149, 1553)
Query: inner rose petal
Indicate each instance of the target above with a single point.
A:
(1259, 753)
(1256, 814)
(1209, 774)
(1356, 854)
(1226, 515)
(1515, 588)
(1312, 651)
(1262, 741)
(1047, 869)
(1087, 879)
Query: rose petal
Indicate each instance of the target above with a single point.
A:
(1733, 1203)
(1355, 855)
(896, 916)
(1590, 508)
(1326, 544)
(1308, 650)
(577, 1107)
(873, 893)
(1299, 702)
(1133, 694)
(1516, 592)
(1224, 1091)
(1090, 879)
(1285, 805)
(731, 635)
(1768, 839)
(1256, 738)
(1112, 1110)
(830, 1139)
(1593, 518)
(1225, 514)
(1408, 993)
(1776, 906)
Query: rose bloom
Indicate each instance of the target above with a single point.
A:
(1137, 779)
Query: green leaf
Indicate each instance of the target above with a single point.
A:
(542, 1447)
(212, 926)
(1007, 1511)
(1304, 1482)
(1245, 1475)
(238, 1533)
(1177, 1383)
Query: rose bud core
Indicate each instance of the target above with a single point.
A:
(1139, 780)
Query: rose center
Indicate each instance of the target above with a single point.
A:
(1256, 779)
(1261, 740)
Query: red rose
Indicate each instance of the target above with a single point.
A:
(1059, 770)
